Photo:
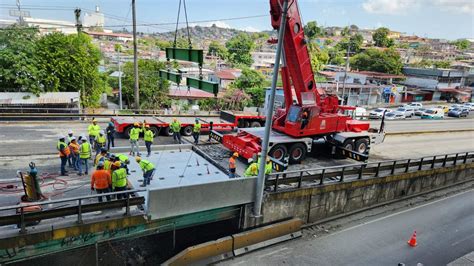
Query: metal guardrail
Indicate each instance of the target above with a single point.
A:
(22, 218)
(341, 173)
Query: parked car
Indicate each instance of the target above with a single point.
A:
(433, 113)
(454, 106)
(415, 105)
(419, 112)
(395, 115)
(445, 108)
(458, 112)
(470, 106)
(378, 113)
(406, 111)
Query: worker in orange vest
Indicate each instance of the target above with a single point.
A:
(74, 148)
(232, 166)
(64, 153)
(101, 180)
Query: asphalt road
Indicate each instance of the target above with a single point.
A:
(445, 232)
(425, 125)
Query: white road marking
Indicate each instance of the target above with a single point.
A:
(271, 253)
(400, 212)
(462, 240)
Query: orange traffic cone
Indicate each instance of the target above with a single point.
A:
(412, 241)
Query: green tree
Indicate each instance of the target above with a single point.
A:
(239, 48)
(355, 42)
(345, 31)
(153, 90)
(215, 48)
(319, 57)
(462, 44)
(336, 56)
(381, 39)
(312, 31)
(385, 61)
(252, 83)
(18, 68)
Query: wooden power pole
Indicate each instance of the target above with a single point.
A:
(135, 57)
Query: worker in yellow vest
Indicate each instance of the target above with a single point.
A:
(100, 141)
(148, 170)
(93, 131)
(119, 179)
(196, 131)
(252, 170)
(175, 128)
(134, 136)
(148, 136)
(268, 165)
(64, 154)
(85, 153)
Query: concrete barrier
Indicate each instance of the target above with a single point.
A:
(318, 203)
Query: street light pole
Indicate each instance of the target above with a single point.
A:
(257, 209)
(120, 80)
(135, 57)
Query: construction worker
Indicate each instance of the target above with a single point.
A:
(119, 179)
(232, 165)
(304, 119)
(110, 130)
(252, 170)
(175, 127)
(108, 163)
(100, 142)
(148, 170)
(123, 159)
(74, 148)
(101, 181)
(148, 138)
(134, 136)
(196, 131)
(70, 134)
(64, 153)
(268, 165)
(93, 131)
(85, 153)
(101, 157)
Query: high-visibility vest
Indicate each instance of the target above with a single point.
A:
(268, 168)
(232, 163)
(119, 178)
(146, 166)
(135, 133)
(85, 151)
(252, 170)
(175, 126)
(74, 147)
(148, 135)
(197, 128)
(93, 130)
(122, 157)
(100, 179)
(63, 149)
(100, 140)
(98, 158)
(107, 165)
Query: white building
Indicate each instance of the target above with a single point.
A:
(95, 19)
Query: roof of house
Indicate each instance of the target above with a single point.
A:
(189, 93)
(229, 74)
(43, 98)
(109, 34)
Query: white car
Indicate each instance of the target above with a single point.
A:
(415, 105)
(433, 113)
(395, 116)
(378, 113)
(470, 106)
(406, 111)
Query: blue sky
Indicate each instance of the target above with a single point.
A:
(450, 19)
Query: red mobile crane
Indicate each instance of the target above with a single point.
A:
(311, 114)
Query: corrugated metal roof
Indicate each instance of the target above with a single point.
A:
(44, 98)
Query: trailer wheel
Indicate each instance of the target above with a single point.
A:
(297, 152)
(127, 131)
(155, 130)
(167, 131)
(255, 124)
(188, 131)
(348, 144)
(278, 152)
(362, 146)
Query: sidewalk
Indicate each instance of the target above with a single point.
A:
(465, 260)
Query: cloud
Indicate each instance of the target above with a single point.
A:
(400, 7)
(250, 29)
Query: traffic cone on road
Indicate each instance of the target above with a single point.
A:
(412, 241)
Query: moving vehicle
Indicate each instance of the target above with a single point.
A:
(395, 116)
(315, 115)
(378, 113)
(415, 105)
(445, 108)
(405, 111)
(454, 106)
(228, 120)
(458, 112)
(470, 106)
(420, 111)
(433, 113)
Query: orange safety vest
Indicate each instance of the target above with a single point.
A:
(232, 163)
(74, 147)
(65, 152)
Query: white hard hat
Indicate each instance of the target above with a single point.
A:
(60, 137)
(101, 132)
(70, 132)
(83, 138)
(73, 138)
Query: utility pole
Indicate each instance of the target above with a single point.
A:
(257, 208)
(20, 18)
(77, 13)
(135, 56)
(120, 80)
(345, 71)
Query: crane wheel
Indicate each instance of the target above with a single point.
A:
(188, 131)
(362, 146)
(348, 144)
(297, 153)
(278, 152)
(255, 124)
(168, 132)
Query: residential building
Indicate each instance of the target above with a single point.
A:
(225, 77)
(27, 102)
(110, 36)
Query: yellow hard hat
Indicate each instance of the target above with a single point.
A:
(94, 120)
(236, 154)
(253, 166)
(138, 159)
(268, 159)
(136, 124)
(175, 119)
(117, 164)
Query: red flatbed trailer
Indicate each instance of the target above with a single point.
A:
(226, 121)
